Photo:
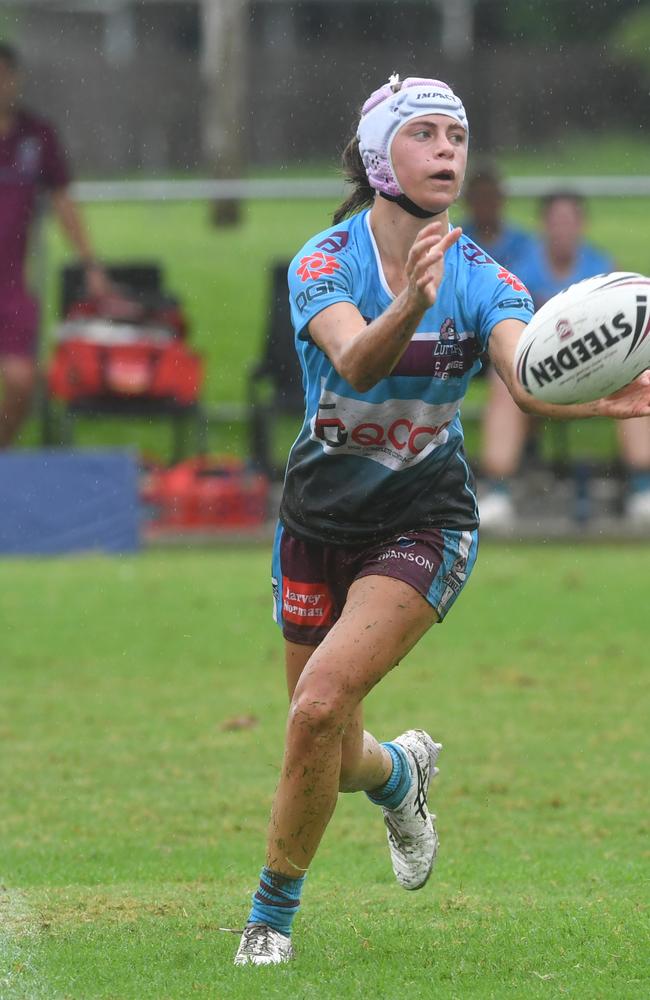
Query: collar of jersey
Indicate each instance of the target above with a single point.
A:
(380, 269)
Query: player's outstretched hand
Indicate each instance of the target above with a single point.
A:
(632, 400)
(425, 264)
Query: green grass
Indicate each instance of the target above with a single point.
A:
(133, 818)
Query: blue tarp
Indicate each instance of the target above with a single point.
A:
(58, 501)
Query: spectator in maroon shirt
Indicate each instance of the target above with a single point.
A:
(32, 163)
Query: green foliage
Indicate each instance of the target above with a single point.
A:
(536, 21)
(142, 723)
(632, 39)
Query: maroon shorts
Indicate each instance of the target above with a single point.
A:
(311, 580)
(18, 324)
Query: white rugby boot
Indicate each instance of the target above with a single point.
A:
(410, 828)
(263, 945)
(637, 509)
(496, 510)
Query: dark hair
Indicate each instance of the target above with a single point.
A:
(549, 199)
(9, 55)
(354, 172)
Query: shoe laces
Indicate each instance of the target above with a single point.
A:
(258, 940)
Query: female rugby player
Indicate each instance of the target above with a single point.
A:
(378, 523)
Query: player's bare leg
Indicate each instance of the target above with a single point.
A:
(634, 438)
(326, 747)
(18, 377)
(365, 763)
(383, 618)
(504, 430)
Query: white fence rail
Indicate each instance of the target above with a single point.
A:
(620, 186)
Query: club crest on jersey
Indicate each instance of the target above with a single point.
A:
(448, 329)
(511, 279)
(317, 264)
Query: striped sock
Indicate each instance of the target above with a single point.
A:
(276, 901)
(392, 792)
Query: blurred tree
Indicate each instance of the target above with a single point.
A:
(549, 20)
(632, 39)
(224, 74)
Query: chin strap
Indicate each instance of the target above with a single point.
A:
(410, 206)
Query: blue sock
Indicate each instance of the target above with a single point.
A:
(392, 792)
(639, 480)
(276, 901)
(501, 486)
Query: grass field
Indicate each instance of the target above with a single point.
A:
(135, 801)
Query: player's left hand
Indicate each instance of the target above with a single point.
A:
(632, 400)
(425, 262)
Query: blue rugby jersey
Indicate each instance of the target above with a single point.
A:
(509, 247)
(535, 270)
(366, 466)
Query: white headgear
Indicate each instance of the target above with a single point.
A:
(384, 113)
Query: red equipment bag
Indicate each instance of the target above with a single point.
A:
(160, 311)
(81, 369)
(206, 492)
(120, 349)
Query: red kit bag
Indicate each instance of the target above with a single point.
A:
(206, 492)
(82, 369)
(116, 348)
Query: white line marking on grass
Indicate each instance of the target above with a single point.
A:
(19, 979)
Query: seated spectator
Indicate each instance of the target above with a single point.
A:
(485, 224)
(560, 257)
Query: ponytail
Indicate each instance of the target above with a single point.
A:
(354, 172)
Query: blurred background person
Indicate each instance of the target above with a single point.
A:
(485, 223)
(558, 258)
(32, 163)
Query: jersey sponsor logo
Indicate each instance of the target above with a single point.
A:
(405, 541)
(306, 603)
(456, 578)
(516, 304)
(474, 255)
(335, 242)
(275, 587)
(317, 264)
(397, 433)
(409, 556)
(314, 291)
(511, 279)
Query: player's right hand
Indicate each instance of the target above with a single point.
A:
(425, 263)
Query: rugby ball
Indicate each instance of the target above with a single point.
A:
(587, 341)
